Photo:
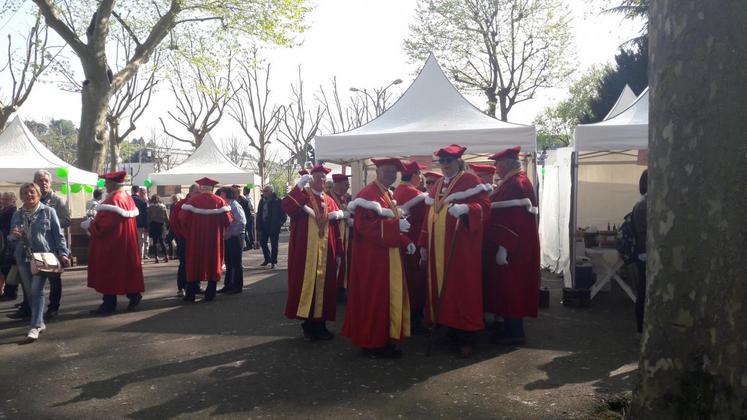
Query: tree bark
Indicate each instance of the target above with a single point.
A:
(5, 113)
(693, 362)
(114, 145)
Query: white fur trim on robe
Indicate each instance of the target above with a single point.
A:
(370, 205)
(413, 202)
(461, 195)
(522, 202)
(309, 211)
(335, 215)
(206, 212)
(116, 209)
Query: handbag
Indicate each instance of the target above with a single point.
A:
(45, 264)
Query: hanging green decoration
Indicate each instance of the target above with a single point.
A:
(75, 188)
(63, 188)
(100, 183)
(88, 189)
(148, 183)
(62, 172)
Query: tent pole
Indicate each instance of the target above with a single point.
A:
(68, 236)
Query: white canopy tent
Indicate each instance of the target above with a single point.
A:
(626, 99)
(22, 154)
(207, 160)
(429, 115)
(626, 131)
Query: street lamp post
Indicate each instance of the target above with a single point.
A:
(380, 96)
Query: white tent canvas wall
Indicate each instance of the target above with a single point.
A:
(22, 154)
(429, 115)
(207, 160)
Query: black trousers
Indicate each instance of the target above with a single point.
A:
(270, 254)
(193, 287)
(55, 293)
(640, 301)
(181, 274)
(156, 233)
(234, 279)
(110, 301)
(249, 231)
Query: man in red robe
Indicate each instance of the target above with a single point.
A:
(512, 243)
(411, 202)
(114, 266)
(378, 313)
(314, 253)
(485, 172)
(339, 193)
(430, 178)
(181, 240)
(203, 218)
(451, 246)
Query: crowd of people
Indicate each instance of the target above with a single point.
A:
(441, 249)
(416, 257)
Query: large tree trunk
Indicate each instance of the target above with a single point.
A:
(92, 135)
(114, 145)
(693, 362)
(5, 113)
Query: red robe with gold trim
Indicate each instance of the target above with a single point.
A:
(511, 290)
(312, 249)
(412, 203)
(345, 236)
(378, 308)
(114, 266)
(462, 302)
(202, 220)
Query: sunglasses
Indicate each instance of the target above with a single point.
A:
(447, 160)
(429, 182)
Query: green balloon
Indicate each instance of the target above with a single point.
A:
(148, 183)
(101, 183)
(88, 189)
(62, 172)
(75, 188)
(63, 188)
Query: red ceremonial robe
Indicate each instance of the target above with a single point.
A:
(411, 202)
(174, 225)
(511, 290)
(378, 309)
(442, 235)
(114, 266)
(202, 220)
(313, 246)
(345, 234)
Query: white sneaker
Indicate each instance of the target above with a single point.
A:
(33, 334)
(41, 329)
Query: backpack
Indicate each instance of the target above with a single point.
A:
(625, 242)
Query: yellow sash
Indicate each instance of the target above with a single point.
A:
(315, 267)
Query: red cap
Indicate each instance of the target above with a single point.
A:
(340, 177)
(389, 161)
(412, 167)
(206, 182)
(482, 169)
(431, 174)
(303, 172)
(319, 168)
(512, 153)
(453, 150)
(118, 177)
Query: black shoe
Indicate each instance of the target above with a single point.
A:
(390, 351)
(134, 302)
(188, 298)
(223, 289)
(50, 314)
(102, 310)
(264, 263)
(200, 292)
(308, 333)
(272, 265)
(321, 332)
(8, 296)
(18, 315)
(246, 248)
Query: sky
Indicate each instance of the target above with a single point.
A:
(361, 43)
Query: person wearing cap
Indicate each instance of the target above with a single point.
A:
(485, 172)
(377, 316)
(114, 266)
(339, 193)
(512, 243)
(451, 247)
(429, 178)
(204, 218)
(314, 254)
(411, 202)
(181, 239)
(270, 220)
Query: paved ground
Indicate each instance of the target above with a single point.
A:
(237, 357)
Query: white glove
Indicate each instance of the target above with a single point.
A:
(457, 210)
(501, 258)
(346, 214)
(305, 179)
(86, 224)
(411, 248)
(404, 225)
(423, 254)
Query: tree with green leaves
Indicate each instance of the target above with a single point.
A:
(555, 124)
(85, 26)
(59, 136)
(505, 49)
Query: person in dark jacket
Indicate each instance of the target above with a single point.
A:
(639, 226)
(249, 213)
(157, 219)
(270, 218)
(8, 273)
(139, 195)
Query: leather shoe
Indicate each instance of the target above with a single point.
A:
(223, 289)
(264, 263)
(50, 314)
(7, 296)
(188, 298)
(134, 302)
(272, 265)
(19, 315)
(200, 292)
